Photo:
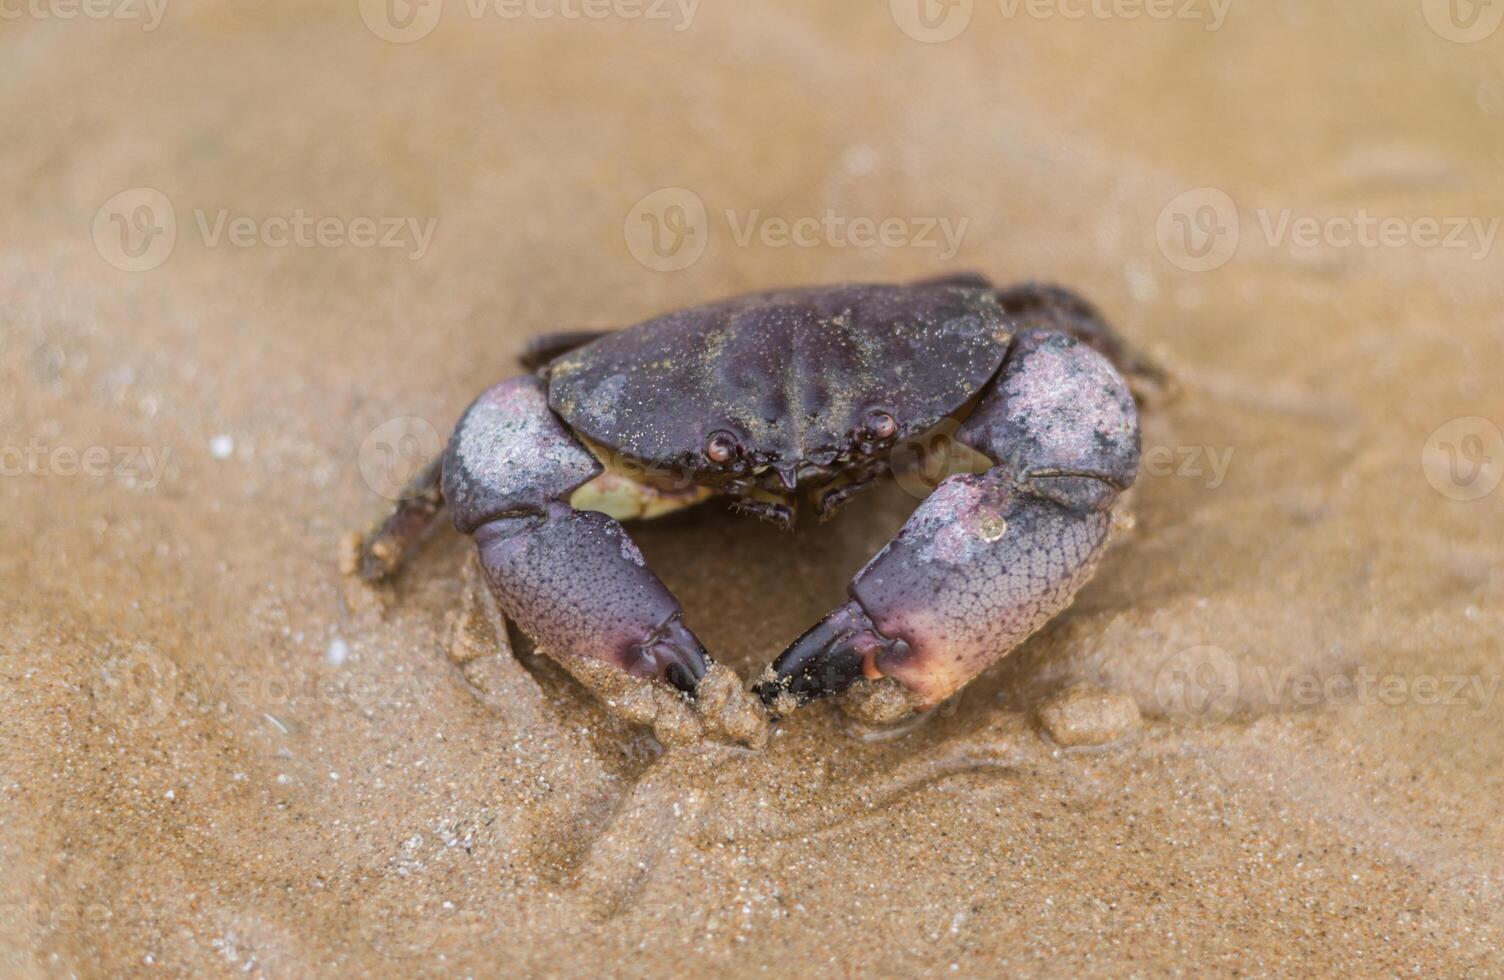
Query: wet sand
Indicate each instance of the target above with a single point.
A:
(221, 756)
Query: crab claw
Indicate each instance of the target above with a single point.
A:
(570, 579)
(987, 558)
(672, 654)
(826, 660)
(981, 565)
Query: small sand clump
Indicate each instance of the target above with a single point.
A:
(723, 710)
(728, 709)
(1088, 716)
(880, 702)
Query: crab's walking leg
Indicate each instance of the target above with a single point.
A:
(1041, 307)
(988, 558)
(1037, 306)
(544, 348)
(570, 579)
(378, 553)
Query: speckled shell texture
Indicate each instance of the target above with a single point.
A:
(790, 373)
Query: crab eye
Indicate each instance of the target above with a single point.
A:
(881, 425)
(720, 447)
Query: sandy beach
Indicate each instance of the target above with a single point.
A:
(256, 259)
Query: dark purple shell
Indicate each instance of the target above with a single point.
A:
(791, 374)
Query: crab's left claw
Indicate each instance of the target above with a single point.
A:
(988, 558)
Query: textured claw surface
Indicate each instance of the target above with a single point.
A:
(978, 568)
(574, 582)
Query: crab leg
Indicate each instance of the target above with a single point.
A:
(378, 553)
(988, 558)
(1040, 307)
(570, 579)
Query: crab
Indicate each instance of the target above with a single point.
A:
(781, 401)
